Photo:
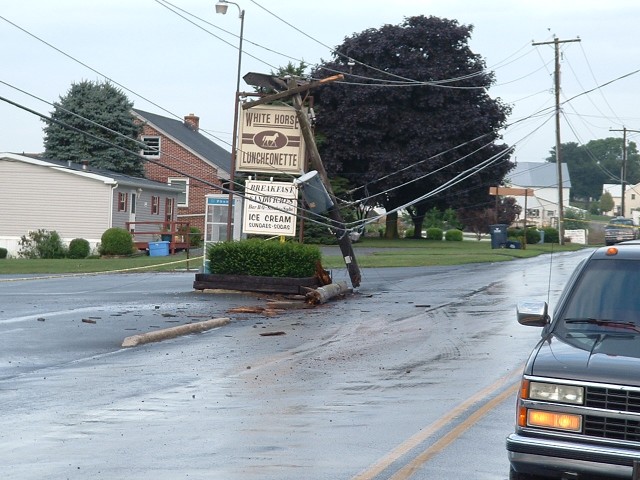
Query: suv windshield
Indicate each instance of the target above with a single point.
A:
(605, 298)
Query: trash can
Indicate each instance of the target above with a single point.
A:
(158, 249)
(498, 235)
(541, 232)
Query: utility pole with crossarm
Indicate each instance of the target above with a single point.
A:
(556, 43)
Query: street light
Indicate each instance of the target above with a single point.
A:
(221, 7)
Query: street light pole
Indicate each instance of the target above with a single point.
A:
(221, 7)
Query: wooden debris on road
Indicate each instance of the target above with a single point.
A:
(323, 294)
(272, 334)
(252, 309)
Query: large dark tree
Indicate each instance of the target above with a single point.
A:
(596, 163)
(426, 95)
(106, 106)
(505, 211)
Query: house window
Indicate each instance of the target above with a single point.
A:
(152, 148)
(551, 213)
(122, 201)
(183, 196)
(633, 196)
(533, 212)
(155, 205)
(168, 210)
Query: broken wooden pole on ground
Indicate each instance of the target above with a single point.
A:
(323, 294)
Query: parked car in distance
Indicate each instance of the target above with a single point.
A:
(620, 229)
(578, 408)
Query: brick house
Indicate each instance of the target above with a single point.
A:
(196, 164)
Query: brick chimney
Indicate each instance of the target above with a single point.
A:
(192, 121)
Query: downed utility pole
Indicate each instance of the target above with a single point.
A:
(344, 240)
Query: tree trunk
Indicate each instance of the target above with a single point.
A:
(418, 221)
(391, 230)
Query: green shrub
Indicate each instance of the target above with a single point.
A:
(533, 235)
(116, 241)
(195, 237)
(551, 235)
(453, 235)
(408, 233)
(434, 233)
(79, 248)
(575, 219)
(41, 243)
(263, 258)
(3, 252)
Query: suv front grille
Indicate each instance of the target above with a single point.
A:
(617, 400)
(613, 428)
(613, 399)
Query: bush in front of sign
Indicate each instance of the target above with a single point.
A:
(263, 258)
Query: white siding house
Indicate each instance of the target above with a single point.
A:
(631, 201)
(542, 178)
(73, 200)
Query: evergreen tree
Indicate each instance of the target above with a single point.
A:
(107, 106)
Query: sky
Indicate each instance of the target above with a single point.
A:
(177, 57)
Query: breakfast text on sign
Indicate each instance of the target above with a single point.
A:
(270, 208)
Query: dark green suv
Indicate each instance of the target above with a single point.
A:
(578, 409)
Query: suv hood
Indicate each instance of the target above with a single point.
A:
(591, 359)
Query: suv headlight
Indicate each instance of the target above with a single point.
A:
(553, 392)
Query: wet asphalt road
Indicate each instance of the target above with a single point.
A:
(413, 376)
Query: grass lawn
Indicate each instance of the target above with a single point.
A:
(424, 253)
(17, 266)
(370, 252)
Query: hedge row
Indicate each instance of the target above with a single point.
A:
(263, 258)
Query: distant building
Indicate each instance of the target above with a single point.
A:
(631, 201)
(542, 178)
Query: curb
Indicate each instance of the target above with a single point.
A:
(173, 332)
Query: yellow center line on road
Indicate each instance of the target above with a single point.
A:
(408, 470)
(404, 448)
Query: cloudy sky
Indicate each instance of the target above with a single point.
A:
(176, 57)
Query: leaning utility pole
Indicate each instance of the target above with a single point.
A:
(623, 170)
(344, 240)
(556, 42)
(293, 91)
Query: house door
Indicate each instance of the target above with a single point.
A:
(132, 210)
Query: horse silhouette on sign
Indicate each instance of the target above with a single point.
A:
(270, 140)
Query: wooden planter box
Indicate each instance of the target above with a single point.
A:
(250, 283)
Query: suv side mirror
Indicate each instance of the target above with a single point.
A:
(533, 313)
